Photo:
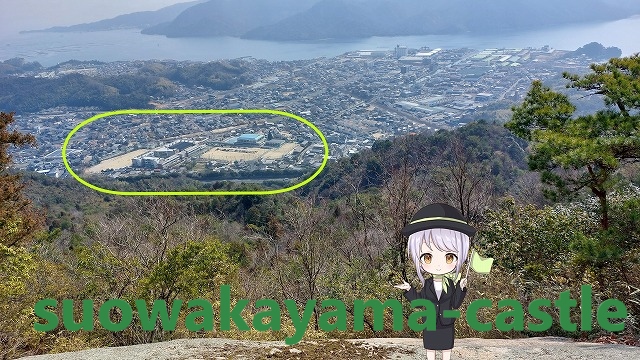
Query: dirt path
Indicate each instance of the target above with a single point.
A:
(380, 348)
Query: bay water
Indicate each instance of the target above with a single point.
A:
(115, 45)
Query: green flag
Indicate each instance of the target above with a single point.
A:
(479, 264)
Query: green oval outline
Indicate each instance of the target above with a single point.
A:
(194, 111)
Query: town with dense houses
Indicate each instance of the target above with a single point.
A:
(353, 99)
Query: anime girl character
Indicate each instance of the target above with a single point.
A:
(439, 240)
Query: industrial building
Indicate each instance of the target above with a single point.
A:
(250, 140)
(169, 155)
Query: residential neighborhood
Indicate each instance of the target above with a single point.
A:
(353, 99)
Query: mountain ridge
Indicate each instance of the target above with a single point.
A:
(310, 20)
(135, 20)
(227, 17)
(416, 17)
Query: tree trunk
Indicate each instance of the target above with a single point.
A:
(604, 209)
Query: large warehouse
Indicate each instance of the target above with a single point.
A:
(250, 140)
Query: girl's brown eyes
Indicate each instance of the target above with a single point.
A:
(450, 258)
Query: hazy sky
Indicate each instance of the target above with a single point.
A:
(18, 15)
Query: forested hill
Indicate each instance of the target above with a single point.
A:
(339, 19)
(344, 19)
(487, 152)
(118, 91)
(229, 17)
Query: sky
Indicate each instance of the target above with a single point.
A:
(18, 15)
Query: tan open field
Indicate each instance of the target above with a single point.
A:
(115, 162)
(247, 154)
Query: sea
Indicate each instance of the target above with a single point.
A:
(124, 45)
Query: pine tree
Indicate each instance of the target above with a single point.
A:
(583, 152)
(18, 219)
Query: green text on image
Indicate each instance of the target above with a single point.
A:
(333, 315)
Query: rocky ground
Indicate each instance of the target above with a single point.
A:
(379, 348)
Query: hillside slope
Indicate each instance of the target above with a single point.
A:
(136, 20)
(339, 19)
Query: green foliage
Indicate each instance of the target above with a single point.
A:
(542, 109)
(19, 221)
(17, 270)
(218, 75)
(618, 81)
(625, 214)
(614, 250)
(16, 266)
(193, 270)
(572, 153)
(28, 94)
(124, 91)
(531, 242)
(595, 252)
(483, 143)
(104, 274)
(18, 66)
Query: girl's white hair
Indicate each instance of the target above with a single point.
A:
(444, 240)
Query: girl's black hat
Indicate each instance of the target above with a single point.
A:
(438, 216)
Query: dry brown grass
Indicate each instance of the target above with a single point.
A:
(310, 350)
(115, 162)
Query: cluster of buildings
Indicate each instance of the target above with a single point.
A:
(256, 140)
(169, 155)
(354, 99)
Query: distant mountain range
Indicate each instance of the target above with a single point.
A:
(136, 20)
(293, 20)
(229, 17)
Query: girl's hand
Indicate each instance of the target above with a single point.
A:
(404, 286)
(463, 283)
